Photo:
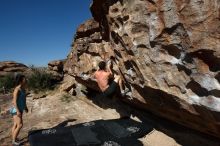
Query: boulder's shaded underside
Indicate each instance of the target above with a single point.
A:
(167, 51)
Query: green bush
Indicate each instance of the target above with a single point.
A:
(7, 82)
(39, 79)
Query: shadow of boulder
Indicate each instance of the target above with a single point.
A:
(117, 132)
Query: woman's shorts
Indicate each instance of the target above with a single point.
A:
(13, 111)
(111, 90)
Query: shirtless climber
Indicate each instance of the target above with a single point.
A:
(102, 77)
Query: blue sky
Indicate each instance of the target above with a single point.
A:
(38, 31)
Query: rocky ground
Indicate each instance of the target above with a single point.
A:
(55, 108)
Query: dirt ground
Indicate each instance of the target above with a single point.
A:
(56, 108)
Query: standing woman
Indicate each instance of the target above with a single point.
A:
(19, 105)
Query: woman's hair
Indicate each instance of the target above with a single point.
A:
(18, 79)
(102, 65)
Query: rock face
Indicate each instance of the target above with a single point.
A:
(56, 69)
(167, 51)
(56, 65)
(8, 67)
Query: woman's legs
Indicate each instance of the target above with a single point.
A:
(18, 123)
(14, 126)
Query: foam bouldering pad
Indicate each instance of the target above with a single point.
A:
(119, 132)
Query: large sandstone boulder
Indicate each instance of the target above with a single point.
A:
(8, 67)
(167, 51)
(55, 68)
(56, 65)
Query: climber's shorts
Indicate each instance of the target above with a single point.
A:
(111, 90)
(13, 111)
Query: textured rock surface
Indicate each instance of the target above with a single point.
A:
(167, 51)
(56, 65)
(56, 69)
(68, 83)
(8, 67)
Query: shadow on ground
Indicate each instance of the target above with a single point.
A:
(182, 135)
(117, 132)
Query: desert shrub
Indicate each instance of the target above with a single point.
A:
(7, 83)
(39, 79)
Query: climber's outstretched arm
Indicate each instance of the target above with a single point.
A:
(93, 76)
(109, 68)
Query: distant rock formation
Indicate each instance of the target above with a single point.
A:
(9, 67)
(56, 69)
(56, 65)
(167, 51)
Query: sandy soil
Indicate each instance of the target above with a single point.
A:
(56, 108)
